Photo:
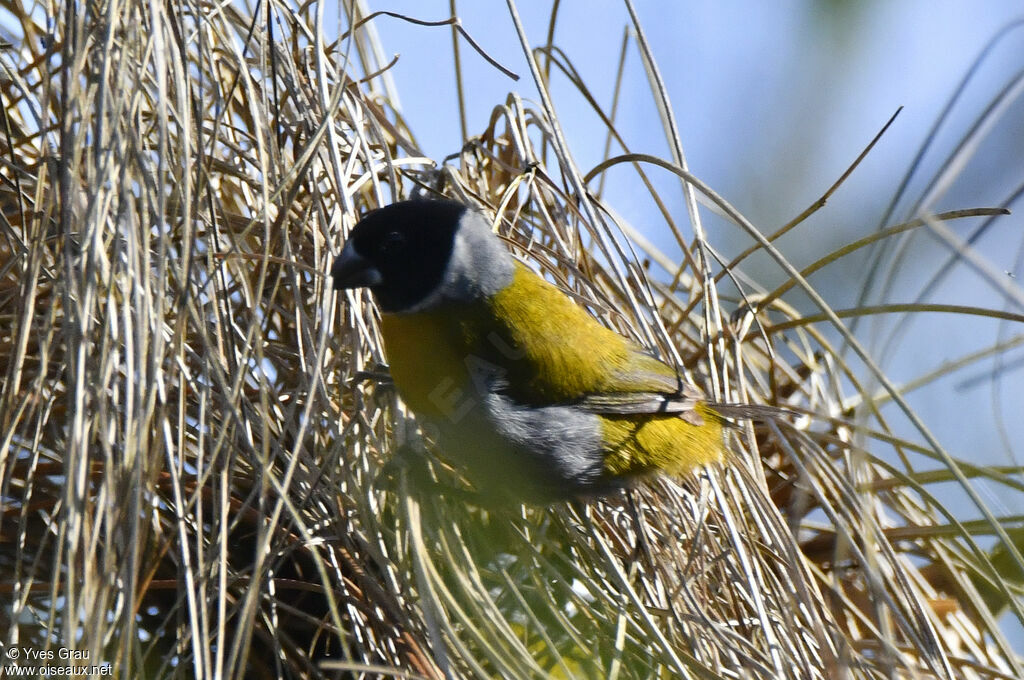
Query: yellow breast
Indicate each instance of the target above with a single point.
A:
(429, 354)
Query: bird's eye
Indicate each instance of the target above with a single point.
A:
(391, 240)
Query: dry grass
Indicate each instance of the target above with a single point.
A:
(194, 450)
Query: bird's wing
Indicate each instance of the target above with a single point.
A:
(551, 351)
(645, 386)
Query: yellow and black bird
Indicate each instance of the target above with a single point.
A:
(525, 390)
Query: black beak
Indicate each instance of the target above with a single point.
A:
(352, 270)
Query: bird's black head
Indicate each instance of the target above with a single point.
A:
(401, 252)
